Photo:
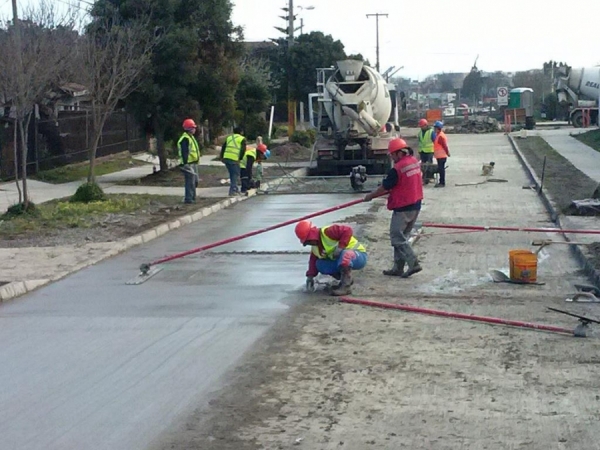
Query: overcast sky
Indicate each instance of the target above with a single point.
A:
(434, 36)
(428, 37)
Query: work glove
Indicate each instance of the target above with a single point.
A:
(337, 252)
(310, 284)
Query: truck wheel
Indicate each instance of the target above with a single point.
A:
(577, 119)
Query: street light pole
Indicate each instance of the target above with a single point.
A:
(377, 32)
(291, 102)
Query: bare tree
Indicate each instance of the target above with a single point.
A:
(35, 50)
(115, 56)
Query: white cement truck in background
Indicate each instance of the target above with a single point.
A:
(352, 115)
(580, 88)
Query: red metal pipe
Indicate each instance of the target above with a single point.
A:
(435, 312)
(252, 233)
(494, 228)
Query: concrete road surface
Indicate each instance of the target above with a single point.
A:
(91, 363)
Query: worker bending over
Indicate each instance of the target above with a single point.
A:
(335, 252)
(405, 188)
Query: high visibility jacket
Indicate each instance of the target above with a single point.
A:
(329, 246)
(233, 147)
(425, 142)
(438, 148)
(250, 151)
(194, 149)
(409, 188)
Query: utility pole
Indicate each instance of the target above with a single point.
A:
(291, 102)
(377, 31)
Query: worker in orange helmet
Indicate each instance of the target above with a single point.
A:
(189, 156)
(335, 252)
(405, 188)
(261, 155)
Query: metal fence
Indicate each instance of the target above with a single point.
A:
(55, 143)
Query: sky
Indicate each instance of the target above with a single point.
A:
(436, 36)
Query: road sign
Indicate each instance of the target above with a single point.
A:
(502, 96)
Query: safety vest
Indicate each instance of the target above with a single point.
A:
(233, 147)
(329, 246)
(409, 188)
(194, 155)
(438, 150)
(425, 142)
(250, 151)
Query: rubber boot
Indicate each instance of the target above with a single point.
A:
(345, 287)
(398, 269)
(411, 259)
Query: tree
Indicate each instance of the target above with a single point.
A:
(534, 79)
(35, 51)
(359, 57)
(472, 85)
(194, 68)
(253, 93)
(115, 54)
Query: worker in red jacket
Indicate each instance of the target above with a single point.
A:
(335, 252)
(405, 188)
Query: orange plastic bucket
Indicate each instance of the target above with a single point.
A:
(523, 265)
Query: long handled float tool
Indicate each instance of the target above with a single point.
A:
(148, 270)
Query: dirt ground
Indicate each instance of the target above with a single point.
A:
(338, 376)
(332, 375)
(210, 176)
(289, 152)
(562, 180)
(111, 227)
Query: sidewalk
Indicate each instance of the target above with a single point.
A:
(580, 155)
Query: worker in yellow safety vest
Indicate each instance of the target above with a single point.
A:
(426, 138)
(335, 252)
(246, 164)
(189, 156)
(232, 152)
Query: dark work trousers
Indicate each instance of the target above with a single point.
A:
(426, 157)
(442, 170)
(246, 174)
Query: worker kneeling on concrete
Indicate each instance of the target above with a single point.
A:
(335, 252)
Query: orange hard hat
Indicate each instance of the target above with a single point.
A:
(303, 229)
(396, 145)
(261, 148)
(188, 124)
(423, 123)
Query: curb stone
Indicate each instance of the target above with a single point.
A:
(17, 288)
(556, 217)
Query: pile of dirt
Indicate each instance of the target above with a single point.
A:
(476, 125)
(289, 151)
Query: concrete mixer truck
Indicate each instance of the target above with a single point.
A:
(351, 112)
(581, 89)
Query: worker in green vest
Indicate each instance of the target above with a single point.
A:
(334, 251)
(426, 138)
(246, 164)
(189, 156)
(232, 152)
